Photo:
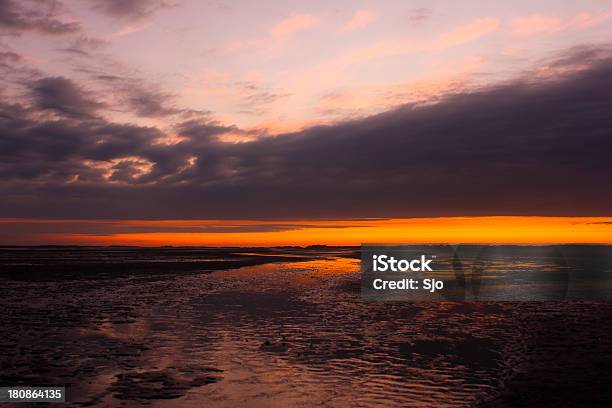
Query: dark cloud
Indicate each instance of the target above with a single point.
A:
(34, 15)
(7, 57)
(15, 73)
(107, 77)
(101, 228)
(143, 99)
(84, 45)
(522, 148)
(130, 9)
(148, 102)
(64, 97)
(203, 132)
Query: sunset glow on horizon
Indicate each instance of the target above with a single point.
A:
(452, 230)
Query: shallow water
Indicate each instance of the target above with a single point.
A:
(293, 334)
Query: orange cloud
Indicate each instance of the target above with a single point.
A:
(368, 99)
(128, 30)
(327, 74)
(275, 39)
(530, 25)
(360, 19)
(537, 24)
(293, 23)
(467, 33)
(394, 47)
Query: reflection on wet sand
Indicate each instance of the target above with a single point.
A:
(295, 333)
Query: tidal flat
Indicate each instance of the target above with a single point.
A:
(260, 327)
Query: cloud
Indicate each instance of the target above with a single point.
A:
(419, 15)
(110, 227)
(526, 26)
(129, 9)
(64, 97)
(149, 102)
(525, 147)
(256, 98)
(141, 98)
(84, 45)
(129, 30)
(358, 101)
(361, 19)
(293, 24)
(42, 16)
(329, 72)
(275, 39)
(580, 57)
(9, 57)
(467, 33)
(537, 24)
(394, 47)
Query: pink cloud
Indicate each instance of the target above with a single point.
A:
(362, 100)
(537, 24)
(277, 36)
(360, 19)
(399, 46)
(128, 30)
(467, 33)
(293, 23)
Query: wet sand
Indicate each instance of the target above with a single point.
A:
(287, 328)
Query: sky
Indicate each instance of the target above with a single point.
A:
(210, 122)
